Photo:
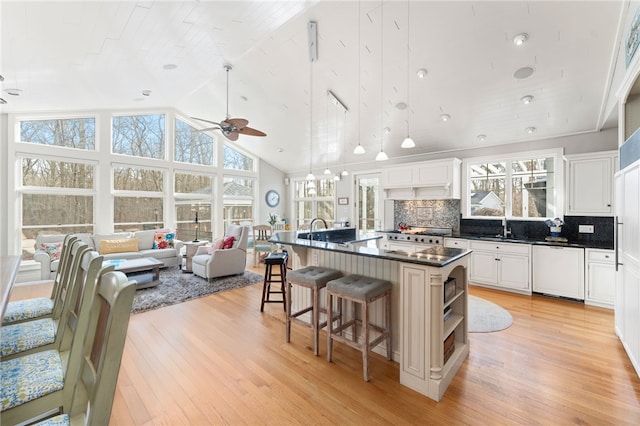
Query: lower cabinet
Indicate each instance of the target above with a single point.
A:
(506, 266)
(600, 278)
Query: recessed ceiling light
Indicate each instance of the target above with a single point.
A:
(422, 73)
(387, 130)
(445, 117)
(13, 92)
(279, 149)
(520, 39)
(527, 99)
(522, 73)
(482, 138)
(169, 66)
(401, 106)
(530, 130)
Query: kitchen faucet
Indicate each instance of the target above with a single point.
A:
(505, 228)
(313, 223)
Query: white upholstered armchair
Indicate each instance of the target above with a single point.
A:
(222, 262)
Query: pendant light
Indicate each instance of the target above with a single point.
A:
(408, 142)
(344, 132)
(359, 150)
(327, 170)
(312, 32)
(382, 156)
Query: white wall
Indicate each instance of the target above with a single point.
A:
(270, 178)
(4, 176)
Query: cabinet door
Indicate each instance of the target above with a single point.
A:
(456, 243)
(483, 268)
(513, 271)
(590, 186)
(398, 176)
(601, 283)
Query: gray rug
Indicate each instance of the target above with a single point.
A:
(485, 316)
(178, 286)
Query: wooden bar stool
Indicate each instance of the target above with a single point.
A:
(361, 291)
(314, 278)
(270, 277)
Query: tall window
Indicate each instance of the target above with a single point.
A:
(192, 146)
(238, 196)
(321, 205)
(57, 197)
(139, 135)
(138, 201)
(79, 133)
(193, 197)
(235, 160)
(523, 187)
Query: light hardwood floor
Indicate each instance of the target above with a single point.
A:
(218, 360)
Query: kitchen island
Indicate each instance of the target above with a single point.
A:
(429, 303)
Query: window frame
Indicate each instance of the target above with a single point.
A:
(558, 189)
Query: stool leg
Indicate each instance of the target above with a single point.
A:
(330, 324)
(316, 321)
(354, 329)
(283, 280)
(288, 315)
(387, 314)
(267, 281)
(365, 341)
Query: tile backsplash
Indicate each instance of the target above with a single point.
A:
(442, 213)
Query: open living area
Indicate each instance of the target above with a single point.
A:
(320, 212)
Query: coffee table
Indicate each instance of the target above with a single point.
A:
(144, 271)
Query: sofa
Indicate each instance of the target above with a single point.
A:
(154, 243)
(210, 262)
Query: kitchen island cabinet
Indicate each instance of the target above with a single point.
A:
(420, 333)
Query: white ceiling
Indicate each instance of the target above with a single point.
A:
(75, 56)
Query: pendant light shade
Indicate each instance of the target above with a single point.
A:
(382, 156)
(408, 142)
(310, 176)
(359, 149)
(345, 173)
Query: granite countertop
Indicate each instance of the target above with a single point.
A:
(534, 241)
(436, 256)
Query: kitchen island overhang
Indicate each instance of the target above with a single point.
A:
(429, 346)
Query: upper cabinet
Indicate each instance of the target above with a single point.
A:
(437, 179)
(590, 184)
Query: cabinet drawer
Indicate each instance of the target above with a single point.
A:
(600, 255)
(514, 248)
(456, 243)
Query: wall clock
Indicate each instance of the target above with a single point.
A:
(272, 198)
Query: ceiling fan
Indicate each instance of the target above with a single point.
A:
(231, 128)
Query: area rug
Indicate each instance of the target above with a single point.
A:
(486, 317)
(177, 286)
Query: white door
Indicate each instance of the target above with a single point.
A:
(368, 204)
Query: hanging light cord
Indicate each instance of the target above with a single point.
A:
(381, 75)
(408, 78)
(311, 116)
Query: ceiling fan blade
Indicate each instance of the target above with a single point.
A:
(209, 129)
(238, 122)
(232, 135)
(251, 132)
(206, 121)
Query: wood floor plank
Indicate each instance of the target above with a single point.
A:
(218, 360)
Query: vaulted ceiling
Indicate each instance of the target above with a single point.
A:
(78, 56)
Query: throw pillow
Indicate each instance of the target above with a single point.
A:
(164, 239)
(216, 244)
(228, 242)
(53, 250)
(118, 246)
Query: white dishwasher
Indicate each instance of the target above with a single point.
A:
(558, 271)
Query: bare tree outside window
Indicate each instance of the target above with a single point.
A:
(139, 135)
(236, 160)
(192, 146)
(79, 133)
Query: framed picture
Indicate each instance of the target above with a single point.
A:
(343, 201)
(634, 38)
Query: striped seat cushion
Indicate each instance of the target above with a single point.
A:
(21, 310)
(23, 336)
(30, 377)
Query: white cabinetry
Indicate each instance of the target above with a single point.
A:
(456, 243)
(601, 278)
(590, 184)
(559, 271)
(627, 300)
(425, 331)
(437, 179)
(505, 266)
